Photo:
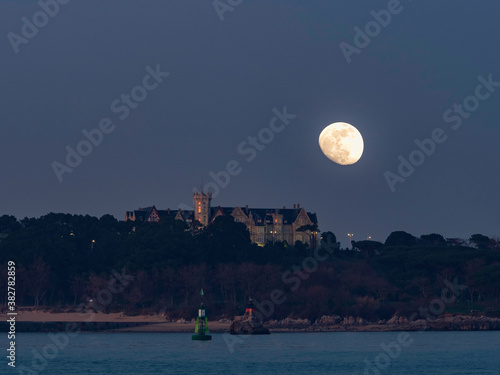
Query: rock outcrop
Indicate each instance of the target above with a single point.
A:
(247, 325)
(335, 323)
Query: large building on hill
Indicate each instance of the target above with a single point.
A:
(264, 224)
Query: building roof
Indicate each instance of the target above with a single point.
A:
(260, 216)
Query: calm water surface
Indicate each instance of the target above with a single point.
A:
(440, 353)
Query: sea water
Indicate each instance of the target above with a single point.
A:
(398, 353)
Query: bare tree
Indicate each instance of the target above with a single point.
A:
(77, 288)
(422, 283)
(38, 279)
(470, 269)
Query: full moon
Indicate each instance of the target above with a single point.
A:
(342, 143)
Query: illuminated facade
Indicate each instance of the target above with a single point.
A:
(263, 224)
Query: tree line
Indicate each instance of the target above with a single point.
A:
(64, 260)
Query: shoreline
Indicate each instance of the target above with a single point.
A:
(38, 321)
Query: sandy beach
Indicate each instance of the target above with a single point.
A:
(41, 316)
(146, 323)
(117, 322)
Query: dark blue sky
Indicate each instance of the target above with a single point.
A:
(225, 79)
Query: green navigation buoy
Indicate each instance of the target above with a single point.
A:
(201, 328)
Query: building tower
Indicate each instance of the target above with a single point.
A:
(202, 206)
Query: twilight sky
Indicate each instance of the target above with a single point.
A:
(227, 80)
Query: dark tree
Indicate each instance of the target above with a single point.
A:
(400, 238)
(226, 239)
(328, 239)
(455, 242)
(433, 239)
(480, 241)
(8, 224)
(368, 247)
